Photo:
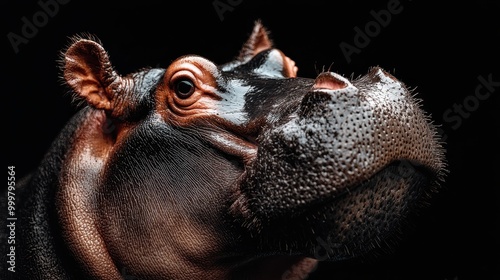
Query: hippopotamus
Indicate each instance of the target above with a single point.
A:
(240, 170)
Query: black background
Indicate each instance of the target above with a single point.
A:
(440, 50)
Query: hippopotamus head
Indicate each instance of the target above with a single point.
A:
(242, 169)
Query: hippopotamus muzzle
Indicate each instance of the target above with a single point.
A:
(348, 164)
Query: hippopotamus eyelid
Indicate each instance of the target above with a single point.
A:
(196, 64)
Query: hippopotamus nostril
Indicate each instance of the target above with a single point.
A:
(330, 81)
(329, 91)
(336, 86)
(378, 74)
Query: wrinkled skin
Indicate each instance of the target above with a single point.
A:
(234, 171)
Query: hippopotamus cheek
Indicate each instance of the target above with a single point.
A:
(152, 233)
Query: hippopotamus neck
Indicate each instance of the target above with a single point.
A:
(43, 253)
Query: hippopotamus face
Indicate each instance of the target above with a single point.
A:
(205, 171)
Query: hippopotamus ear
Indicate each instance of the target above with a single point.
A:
(88, 71)
(259, 41)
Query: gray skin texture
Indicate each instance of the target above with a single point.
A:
(235, 171)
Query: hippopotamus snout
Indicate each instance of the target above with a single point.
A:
(345, 136)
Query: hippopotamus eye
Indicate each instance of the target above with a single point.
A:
(184, 88)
